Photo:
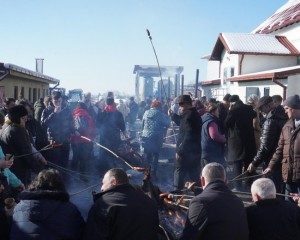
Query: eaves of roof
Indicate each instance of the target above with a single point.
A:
(267, 75)
(210, 82)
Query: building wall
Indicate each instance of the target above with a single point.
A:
(240, 88)
(258, 63)
(213, 70)
(33, 90)
(293, 85)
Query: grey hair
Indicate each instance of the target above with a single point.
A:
(264, 188)
(213, 172)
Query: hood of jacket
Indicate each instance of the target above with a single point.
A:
(208, 117)
(153, 113)
(80, 112)
(40, 204)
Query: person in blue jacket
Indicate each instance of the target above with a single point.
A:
(45, 211)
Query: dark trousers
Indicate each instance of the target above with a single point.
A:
(152, 160)
(59, 155)
(82, 153)
(240, 167)
(181, 173)
(291, 188)
(276, 177)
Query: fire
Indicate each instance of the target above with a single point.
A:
(170, 213)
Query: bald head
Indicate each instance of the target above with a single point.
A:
(113, 177)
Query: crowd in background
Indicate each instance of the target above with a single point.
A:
(236, 135)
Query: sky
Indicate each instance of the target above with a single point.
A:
(94, 44)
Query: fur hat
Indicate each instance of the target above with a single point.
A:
(292, 102)
(15, 113)
(184, 99)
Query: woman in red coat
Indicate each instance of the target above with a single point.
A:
(82, 148)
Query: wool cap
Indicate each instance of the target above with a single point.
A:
(292, 102)
(16, 112)
(184, 99)
(234, 98)
(263, 101)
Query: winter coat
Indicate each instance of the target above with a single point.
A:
(46, 215)
(272, 127)
(239, 126)
(14, 139)
(288, 153)
(86, 125)
(216, 213)
(11, 178)
(122, 212)
(110, 124)
(212, 151)
(133, 111)
(38, 110)
(273, 219)
(59, 125)
(154, 124)
(188, 145)
(37, 134)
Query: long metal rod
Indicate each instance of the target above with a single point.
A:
(113, 153)
(161, 79)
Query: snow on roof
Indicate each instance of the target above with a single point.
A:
(288, 14)
(250, 43)
(254, 43)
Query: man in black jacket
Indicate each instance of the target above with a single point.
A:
(188, 146)
(241, 142)
(121, 212)
(271, 218)
(58, 122)
(216, 213)
(275, 120)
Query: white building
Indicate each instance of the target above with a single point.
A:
(264, 62)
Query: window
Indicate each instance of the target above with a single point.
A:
(34, 95)
(266, 91)
(29, 94)
(16, 92)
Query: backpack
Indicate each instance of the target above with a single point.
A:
(81, 123)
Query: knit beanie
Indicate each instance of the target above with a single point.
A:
(292, 102)
(15, 113)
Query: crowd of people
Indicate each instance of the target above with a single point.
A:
(213, 137)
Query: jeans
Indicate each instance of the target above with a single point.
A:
(291, 188)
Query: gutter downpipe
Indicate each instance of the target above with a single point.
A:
(281, 85)
(241, 61)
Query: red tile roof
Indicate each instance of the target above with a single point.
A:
(280, 19)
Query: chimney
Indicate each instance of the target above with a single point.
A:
(39, 65)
